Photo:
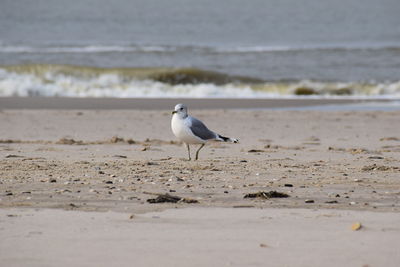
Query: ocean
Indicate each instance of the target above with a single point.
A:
(202, 48)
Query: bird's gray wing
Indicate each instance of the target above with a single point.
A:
(200, 130)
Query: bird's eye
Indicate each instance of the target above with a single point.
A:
(181, 109)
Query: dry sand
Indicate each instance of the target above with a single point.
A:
(199, 237)
(341, 163)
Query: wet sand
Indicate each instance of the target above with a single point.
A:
(78, 160)
(165, 103)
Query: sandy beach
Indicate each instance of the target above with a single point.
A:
(91, 174)
(73, 168)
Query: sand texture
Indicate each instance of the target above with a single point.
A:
(199, 237)
(113, 159)
(341, 163)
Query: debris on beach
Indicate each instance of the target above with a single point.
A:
(375, 157)
(116, 139)
(267, 195)
(312, 141)
(120, 156)
(375, 167)
(309, 201)
(389, 139)
(72, 206)
(243, 206)
(167, 198)
(13, 156)
(356, 226)
(353, 151)
(331, 202)
(255, 151)
(69, 141)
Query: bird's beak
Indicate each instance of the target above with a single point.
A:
(173, 112)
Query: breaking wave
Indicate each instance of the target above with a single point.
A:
(78, 81)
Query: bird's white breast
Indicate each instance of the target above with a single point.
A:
(181, 129)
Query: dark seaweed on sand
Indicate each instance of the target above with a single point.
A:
(267, 195)
(165, 198)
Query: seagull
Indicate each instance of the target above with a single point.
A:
(190, 130)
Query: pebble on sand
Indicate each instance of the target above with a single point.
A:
(356, 226)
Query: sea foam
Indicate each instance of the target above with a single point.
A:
(70, 81)
(110, 85)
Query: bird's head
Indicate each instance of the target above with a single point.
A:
(180, 110)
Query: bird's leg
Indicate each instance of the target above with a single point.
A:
(188, 148)
(197, 152)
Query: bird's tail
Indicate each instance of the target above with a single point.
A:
(226, 139)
